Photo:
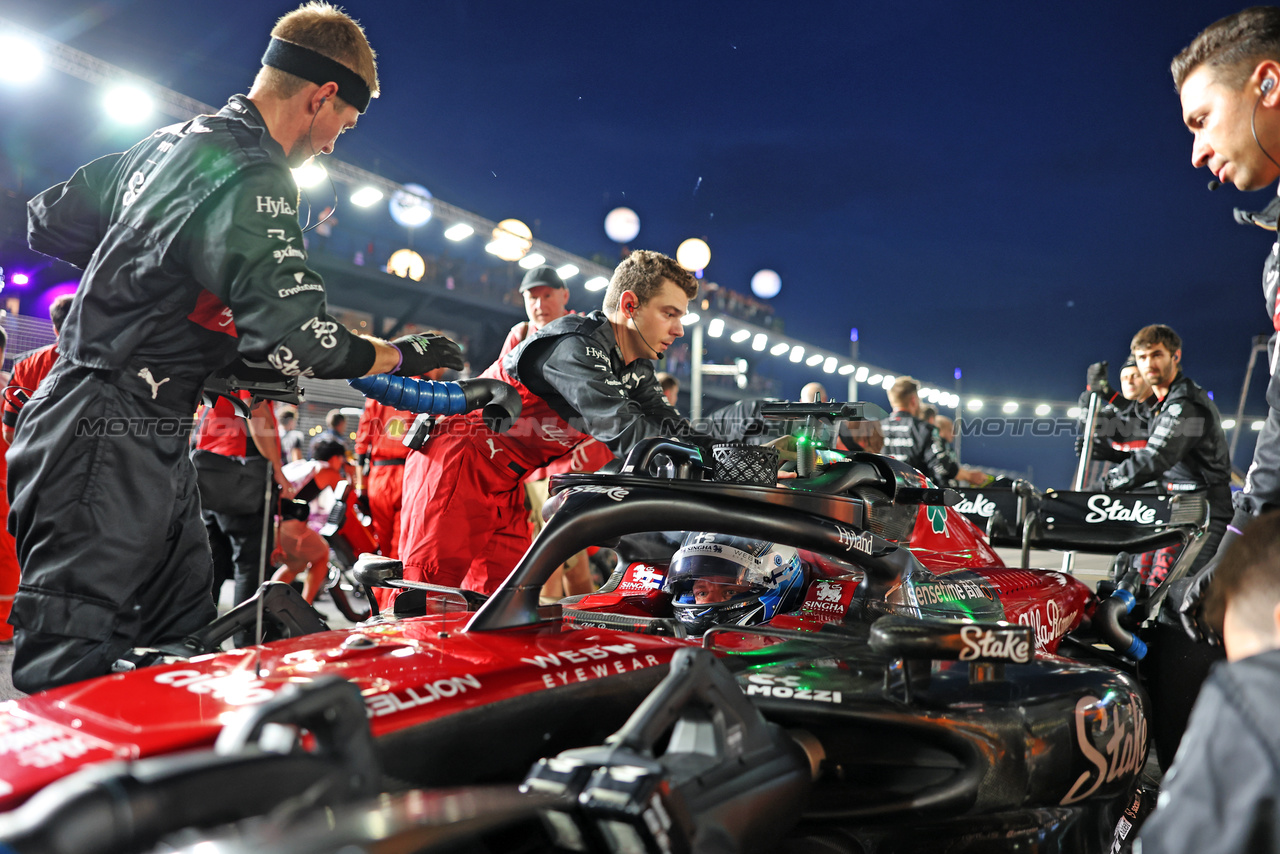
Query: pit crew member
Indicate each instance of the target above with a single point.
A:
(28, 373)
(1187, 449)
(1122, 416)
(578, 377)
(1220, 795)
(192, 253)
(914, 441)
(1228, 81)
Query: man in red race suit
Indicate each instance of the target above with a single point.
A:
(380, 456)
(546, 298)
(578, 377)
(28, 373)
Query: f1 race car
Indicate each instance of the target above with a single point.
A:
(922, 685)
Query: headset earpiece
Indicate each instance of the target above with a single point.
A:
(321, 104)
(1268, 84)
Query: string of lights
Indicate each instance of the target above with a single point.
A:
(24, 52)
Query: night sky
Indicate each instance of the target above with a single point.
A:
(1003, 187)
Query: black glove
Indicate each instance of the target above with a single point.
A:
(422, 353)
(362, 502)
(1096, 381)
(1188, 595)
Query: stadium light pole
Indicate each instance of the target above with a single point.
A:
(853, 354)
(695, 374)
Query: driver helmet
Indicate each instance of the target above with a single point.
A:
(719, 580)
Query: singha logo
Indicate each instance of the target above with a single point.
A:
(828, 592)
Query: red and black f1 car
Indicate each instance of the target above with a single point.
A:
(926, 686)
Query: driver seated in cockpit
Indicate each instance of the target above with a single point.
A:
(719, 580)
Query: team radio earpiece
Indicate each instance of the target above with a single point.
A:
(1266, 86)
(631, 311)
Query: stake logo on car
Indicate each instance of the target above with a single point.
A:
(987, 643)
(1104, 508)
(976, 506)
(1117, 751)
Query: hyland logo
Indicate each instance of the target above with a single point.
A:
(976, 506)
(1103, 508)
(863, 541)
(275, 206)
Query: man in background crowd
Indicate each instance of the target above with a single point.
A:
(910, 439)
(335, 429)
(546, 298)
(813, 393)
(291, 438)
(670, 386)
(28, 373)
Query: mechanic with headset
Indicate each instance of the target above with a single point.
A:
(1227, 80)
(192, 253)
(578, 377)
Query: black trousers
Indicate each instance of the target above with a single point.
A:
(107, 523)
(236, 543)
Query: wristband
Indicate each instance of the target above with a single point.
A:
(399, 360)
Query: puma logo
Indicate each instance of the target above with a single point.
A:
(493, 449)
(145, 373)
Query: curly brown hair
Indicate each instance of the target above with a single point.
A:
(643, 272)
(1232, 47)
(1156, 333)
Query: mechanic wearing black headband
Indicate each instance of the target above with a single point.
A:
(192, 255)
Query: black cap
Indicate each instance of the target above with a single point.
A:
(544, 275)
(1130, 362)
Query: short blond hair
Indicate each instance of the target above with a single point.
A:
(329, 31)
(902, 390)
